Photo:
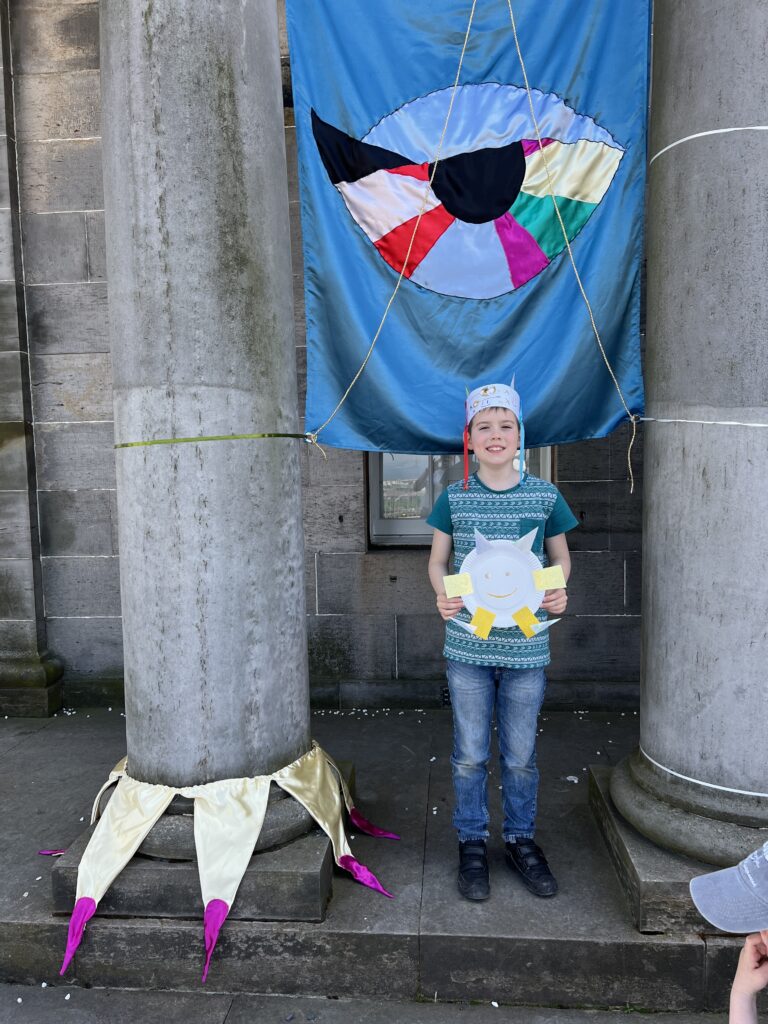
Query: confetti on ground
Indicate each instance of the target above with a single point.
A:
(494, 1004)
(571, 778)
(68, 995)
(432, 759)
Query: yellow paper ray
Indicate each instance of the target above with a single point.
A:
(482, 620)
(551, 578)
(525, 619)
(458, 585)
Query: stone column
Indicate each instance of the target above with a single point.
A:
(200, 293)
(29, 678)
(698, 783)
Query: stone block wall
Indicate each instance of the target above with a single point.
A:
(373, 633)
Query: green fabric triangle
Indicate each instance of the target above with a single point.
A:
(537, 215)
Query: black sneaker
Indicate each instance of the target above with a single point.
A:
(473, 870)
(527, 858)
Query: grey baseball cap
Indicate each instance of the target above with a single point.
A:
(735, 899)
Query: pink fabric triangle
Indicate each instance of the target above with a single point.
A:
(83, 911)
(215, 915)
(362, 874)
(365, 826)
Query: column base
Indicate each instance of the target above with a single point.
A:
(655, 881)
(32, 701)
(709, 840)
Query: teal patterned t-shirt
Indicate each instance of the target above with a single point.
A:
(499, 515)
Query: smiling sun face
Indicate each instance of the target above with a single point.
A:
(502, 577)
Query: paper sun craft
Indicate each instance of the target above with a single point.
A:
(504, 593)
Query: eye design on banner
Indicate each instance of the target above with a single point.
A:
(489, 225)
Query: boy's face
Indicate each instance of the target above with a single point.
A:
(494, 437)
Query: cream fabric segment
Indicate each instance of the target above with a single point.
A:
(131, 812)
(117, 773)
(228, 819)
(382, 201)
(312, 782)
(348, 802)
(580, 170)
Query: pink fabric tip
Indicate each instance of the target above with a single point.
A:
(215, 915)
(50, 853)
(361, 874)
(83, 911)
(365, 826)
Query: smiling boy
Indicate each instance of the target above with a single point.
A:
(504, 672)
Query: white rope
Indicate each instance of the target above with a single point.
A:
(709, 785)
(704, 423)
(713, 131)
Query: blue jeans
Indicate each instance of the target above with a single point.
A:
(517, 695)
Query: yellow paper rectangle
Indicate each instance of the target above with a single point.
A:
(551, 578)
(482, 620)
(525, 619)
(458, 585)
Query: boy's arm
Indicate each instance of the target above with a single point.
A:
(555, 601)
(751, 976)
(438, 567)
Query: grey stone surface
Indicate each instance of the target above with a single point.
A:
(50, 38)
(290, 883)
(9, 318)
(80, 585)
(54, 247)
(82, 522)
(15, 536)
(584, 461)
(334, 518)
(379, 581)
(91, 648)
(596, 648)
(115, 1006)
(72, 387)
(201, 316)
(58, 106)
(13, 456)
(655, 881)
(61, 175)
(690, 51)
(17, 589)
(11, 401)
(7, 267)
(40, 699)
(75, 455)
(714, 841)
(67, 318)
(590, 503)
(344, 646)
(97, 256)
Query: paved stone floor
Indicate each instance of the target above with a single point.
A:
(25, 1005)
(577, 950)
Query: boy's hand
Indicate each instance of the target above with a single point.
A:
(555, 601)
(752, 971)
(449, 607)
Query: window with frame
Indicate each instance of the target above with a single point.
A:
(403, 488)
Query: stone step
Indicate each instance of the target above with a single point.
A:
(116, 1006)
(288, 883)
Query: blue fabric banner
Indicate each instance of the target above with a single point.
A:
(488, 289)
